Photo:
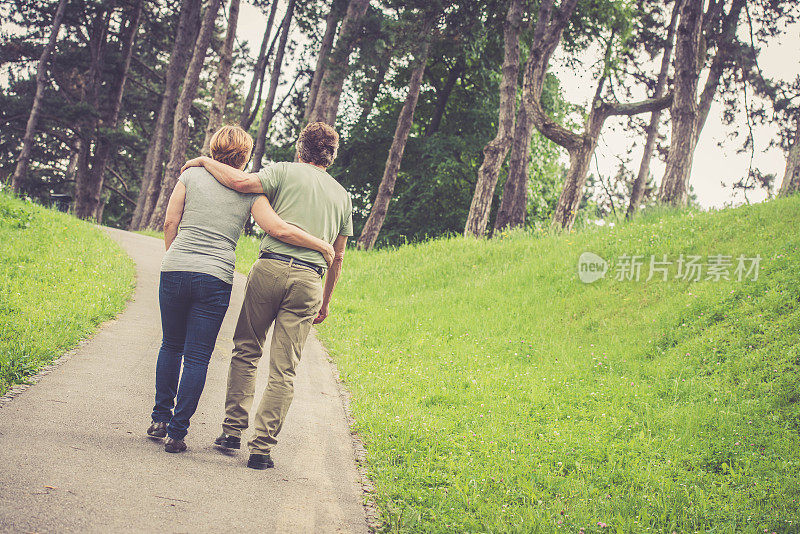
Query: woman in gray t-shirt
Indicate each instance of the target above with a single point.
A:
(203, 223)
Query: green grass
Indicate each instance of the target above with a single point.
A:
(151, 233)
(497, 393)
(247, 249)
(59, 278)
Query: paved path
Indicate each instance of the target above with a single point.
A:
(74, 456)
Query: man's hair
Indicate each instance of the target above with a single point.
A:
(318, 144)
(232, 146)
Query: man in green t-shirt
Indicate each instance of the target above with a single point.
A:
(285, 284)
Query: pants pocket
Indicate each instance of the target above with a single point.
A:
(225, 297)
(170, 284)
(304, 297)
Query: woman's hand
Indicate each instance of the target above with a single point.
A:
(328, 254)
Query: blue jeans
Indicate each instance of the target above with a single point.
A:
(193, 306)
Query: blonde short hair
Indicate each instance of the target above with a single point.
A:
(232, 146)
(318, 144)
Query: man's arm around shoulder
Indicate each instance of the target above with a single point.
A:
(241, 181)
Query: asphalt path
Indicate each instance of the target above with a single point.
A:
(74, 456)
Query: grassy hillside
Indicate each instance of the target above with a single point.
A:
(59, 278)
(496, 392)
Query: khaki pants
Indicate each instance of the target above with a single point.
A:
(290, 296)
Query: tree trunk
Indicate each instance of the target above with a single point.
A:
(267, 112)
(258, 71)
(687, 114)
(570, 199)
(181, 52)
(21, 170)
(386, 189)
(88, 203)
(495, 151)
(546, 37)
(88, 125)
(791, 178)
(637, 192)
(98, 212)
(331, 23)
(180, 124)
(684, 105)
(327, 102)
(72, 166)
(369, 101)
(444, 96)
(222, 84)
(510, 214)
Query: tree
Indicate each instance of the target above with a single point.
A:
(88, 123)
(259, 70)
(331, 24)
(21, 170)
(90, 182)
(381, 204)
(185, 36)
(443, 94)
(267, 111)
(180, 127)
(375, 87)
(547, 34)
(639, 184)
(222, 84)
(791, 176)
(697, 31)
(326, 105)
(495, 151)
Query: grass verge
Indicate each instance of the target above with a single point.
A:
(59, 278)
(495, 392)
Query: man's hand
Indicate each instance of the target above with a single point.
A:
(329, 254)
(335, 269)
(196, 162)
(323, 313)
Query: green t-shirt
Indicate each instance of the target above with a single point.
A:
(308, 197)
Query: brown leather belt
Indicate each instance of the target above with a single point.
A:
(294, 261)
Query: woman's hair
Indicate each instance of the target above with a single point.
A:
(232, 146)
(318, 144)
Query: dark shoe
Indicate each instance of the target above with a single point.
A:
(174, 445)
(260, 461)
(227, 441)
(157, 430)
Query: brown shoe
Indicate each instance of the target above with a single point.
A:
(174, 445)
(157, 430)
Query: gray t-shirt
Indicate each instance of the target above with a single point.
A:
(213, 219)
